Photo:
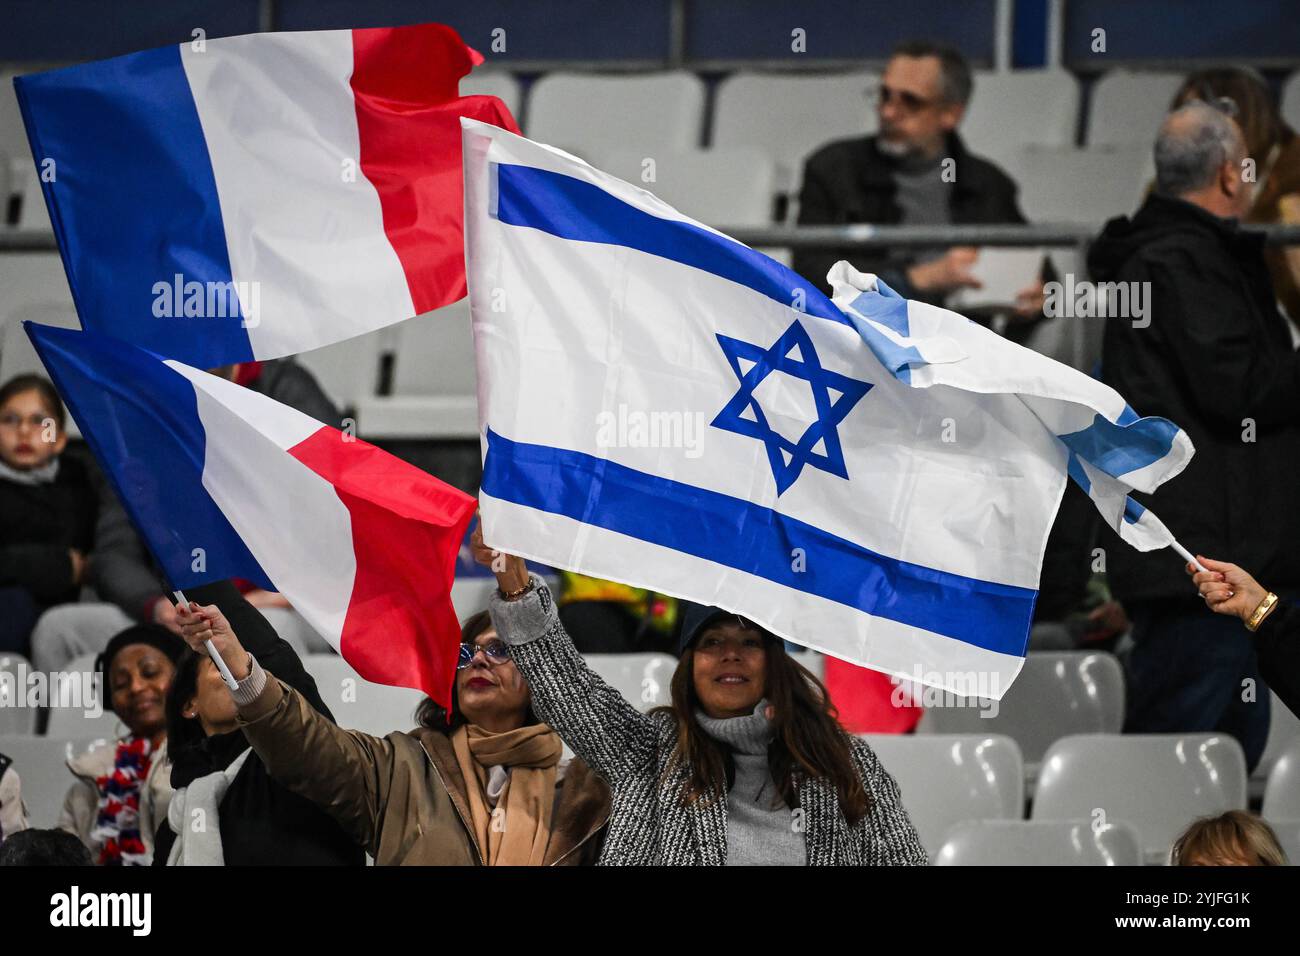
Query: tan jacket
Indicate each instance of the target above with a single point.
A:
(402, 797)
(81, 805)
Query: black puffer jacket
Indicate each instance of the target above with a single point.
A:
(40, 524)
(1217, 360)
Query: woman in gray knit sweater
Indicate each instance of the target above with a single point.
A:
(748, 765)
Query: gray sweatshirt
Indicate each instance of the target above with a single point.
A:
(761, 829)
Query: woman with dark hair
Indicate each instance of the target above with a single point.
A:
(122, 792)
(482, 784)
(748, 766)
(249, 818)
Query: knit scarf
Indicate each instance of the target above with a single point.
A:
(117, 823)
(516, 771)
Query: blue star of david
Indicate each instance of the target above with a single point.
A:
(792, 354)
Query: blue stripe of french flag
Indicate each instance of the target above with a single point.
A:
(223, 482)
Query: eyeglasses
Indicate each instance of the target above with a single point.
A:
(15, 421)
(496, 651)
(910, 102)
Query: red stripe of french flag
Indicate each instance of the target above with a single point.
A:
(406, 84)
(400, 627)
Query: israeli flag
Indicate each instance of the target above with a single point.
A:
(869, 477)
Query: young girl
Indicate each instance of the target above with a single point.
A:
(47, 510)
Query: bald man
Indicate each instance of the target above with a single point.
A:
(1214, 355)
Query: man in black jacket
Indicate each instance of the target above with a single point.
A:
(1213, 355)
(914, 171)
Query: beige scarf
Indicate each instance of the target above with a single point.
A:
(517, 831)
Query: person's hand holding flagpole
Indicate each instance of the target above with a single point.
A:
(206, 628)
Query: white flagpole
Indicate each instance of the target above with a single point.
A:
(1188, 556)
(217, 659)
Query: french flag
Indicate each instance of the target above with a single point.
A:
(223, 482)
(251, 197)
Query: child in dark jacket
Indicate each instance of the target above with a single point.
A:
(47, 509)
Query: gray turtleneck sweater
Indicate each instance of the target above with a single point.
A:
(761, 829)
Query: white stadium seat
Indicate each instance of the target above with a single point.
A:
(75, 720)
(644, 679)
(496, 83)
(1282, 795)
(358, 704)
(721, 188)
(13, 136)
(32, 214)
(1127, 107)
(589, 113)
(1011, 110)
(435, 354)
(435, 391)
(15, 154)
(1159, 783)
(1040, 843)
(348, 371)
(16, 717)
(1290, 101)
(42, 767)
(1288, 835)
(1056, 694)
(432, 417)
(789, 116)
(1283, 732)
(35, 289)
(1089, 186)
(16, 353)
(946, 779)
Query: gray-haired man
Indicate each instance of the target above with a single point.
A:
(1214, 355)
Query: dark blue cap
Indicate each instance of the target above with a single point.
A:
(696, 617)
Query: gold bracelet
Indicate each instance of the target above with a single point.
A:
(511, 595)
(1265, 608)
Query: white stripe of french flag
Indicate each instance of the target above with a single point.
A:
(291, 120)
(362, 543)
(314, 178)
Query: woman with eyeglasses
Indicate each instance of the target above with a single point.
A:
(483, 784)
(747, 767)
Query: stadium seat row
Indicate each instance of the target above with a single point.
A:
(1102, 799)
(1057, 695)
(765, 124)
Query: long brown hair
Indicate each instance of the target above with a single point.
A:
(1261, 124)
(807, 737)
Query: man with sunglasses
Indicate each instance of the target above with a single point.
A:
(900, 176)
